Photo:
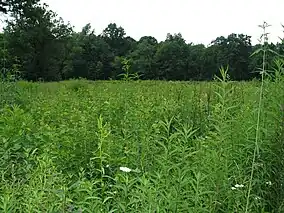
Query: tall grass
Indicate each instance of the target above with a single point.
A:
(108, 146)
(189, 148)
(256, 152)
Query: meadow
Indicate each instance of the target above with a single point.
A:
(142, 146)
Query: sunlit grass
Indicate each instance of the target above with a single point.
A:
(112, 146)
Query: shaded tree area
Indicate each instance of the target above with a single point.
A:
(38, 45)
(3, 7)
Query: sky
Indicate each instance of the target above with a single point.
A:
(199, 21)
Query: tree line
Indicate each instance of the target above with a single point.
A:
(38, 45)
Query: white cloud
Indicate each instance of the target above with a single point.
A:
(199, 21)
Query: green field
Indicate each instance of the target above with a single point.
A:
(191, 147)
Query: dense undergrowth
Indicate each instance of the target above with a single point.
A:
(190, 146)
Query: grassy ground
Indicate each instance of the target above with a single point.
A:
(189, 147)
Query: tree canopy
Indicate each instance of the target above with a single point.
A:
(39, 45)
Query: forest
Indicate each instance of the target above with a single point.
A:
(36, 44)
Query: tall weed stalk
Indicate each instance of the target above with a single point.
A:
(264, 49)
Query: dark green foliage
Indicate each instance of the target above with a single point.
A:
(234, 51)
(38, 40)
(171, 58)
(91, 56)
(3, 6)
(40, 46)
(143, 57)
(115, 38)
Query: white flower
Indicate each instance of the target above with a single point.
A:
(268, 183)
(239, 185)
(125, 169)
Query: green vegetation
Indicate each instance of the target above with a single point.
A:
(128, 145)
(190, 146)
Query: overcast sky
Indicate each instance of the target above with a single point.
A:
(199, 21)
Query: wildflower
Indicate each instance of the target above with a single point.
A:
(268, 183)
(125, 169)
(239, 185)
